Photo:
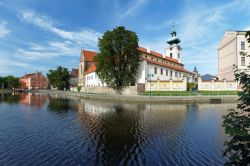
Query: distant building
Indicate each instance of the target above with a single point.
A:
(208, 77)
(33, 81)
(231, 49)
(163, 67)
(73, 81)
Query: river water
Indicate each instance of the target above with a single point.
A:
(40, 130)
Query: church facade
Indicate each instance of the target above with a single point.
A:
(154, 66)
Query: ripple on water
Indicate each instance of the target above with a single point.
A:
(103, 133)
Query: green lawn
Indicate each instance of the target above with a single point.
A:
(188, 93)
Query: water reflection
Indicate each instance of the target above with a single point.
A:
(116, 130)
(89, 132)
(33, 99)
(9, 98)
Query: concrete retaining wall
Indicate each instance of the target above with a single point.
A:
(131, 90)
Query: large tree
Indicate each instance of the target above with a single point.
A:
(237, 122)
(118, 60)
(59, 78)
(9, 82)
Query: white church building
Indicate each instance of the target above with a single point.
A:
(154, 66)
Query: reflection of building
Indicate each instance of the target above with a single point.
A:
(231, 52)
(163, 67)
(73, 81)
(33, 81)
(33, 99)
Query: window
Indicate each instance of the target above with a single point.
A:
(171, 55)
(152, 58)
(146, 56)
(155, 70)
(243, 61)
(171, 73)
(180, 75)
(157, 59)
(161, 71)
(242, 45)
(178, 55)
(166, 72)
(175, 74)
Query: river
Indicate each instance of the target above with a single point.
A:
(40, 130)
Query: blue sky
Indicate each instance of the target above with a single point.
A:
(42, 34)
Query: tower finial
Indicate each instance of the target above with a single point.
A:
(173, 26)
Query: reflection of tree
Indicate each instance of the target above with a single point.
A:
(59, 105)
(118, 133)
(10, 98)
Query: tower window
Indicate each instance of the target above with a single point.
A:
(155, 70)
(242, 45)
(171, 55)
(243, 61)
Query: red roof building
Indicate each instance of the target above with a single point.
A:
(33, 81)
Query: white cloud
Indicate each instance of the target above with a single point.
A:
(10, 66)
(3, 29)
(50, 50)
(132, 8)
(85, 38)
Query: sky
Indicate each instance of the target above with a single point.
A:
(39, 35)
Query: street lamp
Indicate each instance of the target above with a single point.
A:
(149, 78)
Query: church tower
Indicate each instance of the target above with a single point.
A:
(174, 48)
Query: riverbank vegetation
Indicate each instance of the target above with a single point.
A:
(9, 82)
(59, 78)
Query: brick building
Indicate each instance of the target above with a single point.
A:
(33, 81)
(73, 81)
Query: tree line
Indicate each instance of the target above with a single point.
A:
(9, 82)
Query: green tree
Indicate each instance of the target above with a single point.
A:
(10, 82)
(237, 122)
(59, 78)
(118, 60)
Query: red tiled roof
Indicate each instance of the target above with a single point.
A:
(158, 55)
(29, 75)
(74, 73)
(168, 66)
(92, 68)
(89, 55)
